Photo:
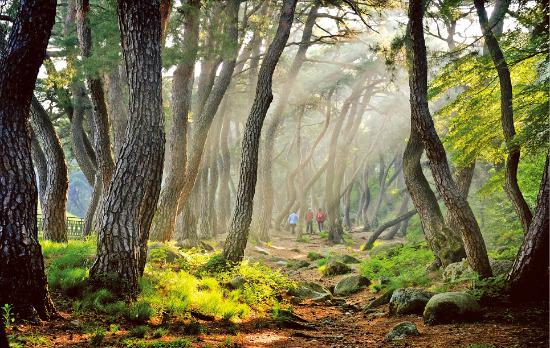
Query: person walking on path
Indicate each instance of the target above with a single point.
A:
(292, 220)
(309, 220)
(320, 217)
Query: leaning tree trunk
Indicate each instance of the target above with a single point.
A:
(474, 244)
(235, 243)
(225, 172)
(118, 110)
(507, 119)
(135, 186)
(528, 277)
(23, 282)
(54, 206)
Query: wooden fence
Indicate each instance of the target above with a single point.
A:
(74, 226)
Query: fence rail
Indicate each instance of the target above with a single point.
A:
(74, 226)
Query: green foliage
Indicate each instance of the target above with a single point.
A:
(323, 235)
(158, 255)
(407, 267)
(7, 315)
(489, 288)
(97, 338)
(139, 332)
(508, 253)
(177, 343)
(160, 332)
(303, 240)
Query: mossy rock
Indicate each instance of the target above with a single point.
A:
(451, 307)
(335, 267)
(351, 284)
(402, 330)
(345, 258)
(409, 301)
(163, 253)
(305, 290)
(386, 248)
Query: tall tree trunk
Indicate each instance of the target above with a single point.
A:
(528, 277)
(23, 282)
(474, 244)
(135, 186)
(402, 210)
(54, 206)
(167, 208)
(267, 197)
(225, 172)
(235, 243)
(118, 110)
(507, 119)
(39, 161)
(366, 200)
(82, 149)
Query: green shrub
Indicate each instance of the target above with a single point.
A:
(177, 343)
(97, 337)
(406, 267)
(303, 240)
(139, 332)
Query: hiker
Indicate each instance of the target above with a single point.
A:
(292, 220)
(309, 221)
(320, 217)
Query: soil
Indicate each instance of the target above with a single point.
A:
(342, 325)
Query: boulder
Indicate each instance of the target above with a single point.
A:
(305, 290)
(351, 284)
(276, 259)
(237, 282)
(500, 267)
(457, 270)
(313, 255)
(382, 300)
(385, 248)
(281, 263)
(409, 301)
(401, 331)
(449, 307)
(165, 253)
(301, 264)
(335, 267)
(348, 259)
(260, 250)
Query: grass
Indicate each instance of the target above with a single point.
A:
(303, 240)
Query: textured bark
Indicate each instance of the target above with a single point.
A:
(463, 179)
(402, 210)
(471, 235)
(165, 216)
(23, 282)
(365, 201)
(445, 244)
(54, 205)
(267, 197)
(118, 110)
(135, 185)
(82, 149)
(235, 243)
(507, 119)
(382, 176)
(225, 172)
(528, 277)
(39, 161)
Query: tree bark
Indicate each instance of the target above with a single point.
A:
(135, 185)
(528, 277)
(471, 235)
(507, 120)
(54, 205)
(386, 225)
(23, 282)
(118, 110)
(235, 243)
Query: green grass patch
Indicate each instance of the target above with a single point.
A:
(303, 240)
(406, 267)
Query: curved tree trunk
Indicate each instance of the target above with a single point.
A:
(135, 186)
(474, 244)
(235, 243)
(118, 110)
(528, 277)
(225, 172)
(54, 219)
(39, 161)
(402, 210)
(507, 119)
(386, 225)
(167, 208)
(23, 282)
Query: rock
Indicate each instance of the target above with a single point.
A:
(386, 248)
(313, 255)
(334, 267)
(305, 290)
(206, 246)
(165, 253)
(281, 263)
(187, 244)
(260, 250)
(301, 264)
(500, 267)
(276, 259)
(382, 300)
(457, 270)
(351, 284)
(349, 259)
(450, 307)
(401, 331)
(340, 246)
(377, 315)
(383, 281)
(237, 282)
(296, 250)
(409, 301)
(322, 298)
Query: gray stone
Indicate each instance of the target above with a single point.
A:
(383, 281)
(312, 255)
(500, 267)
(301, 264)
(276, 259)
(409, 301)
(340, 246)
(237, 282)
(351, 284)
(455, 271)
(334, 267)
(345, 258)
(382, 300)
(281, 263)
(260, 250)
(385, 248)
(402, 330)
(451, 307)
(167, 253)
(305, 290)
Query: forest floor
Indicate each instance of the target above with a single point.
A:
(342, 325)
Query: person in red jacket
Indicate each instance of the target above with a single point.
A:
(309, 220)
(320, 217)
